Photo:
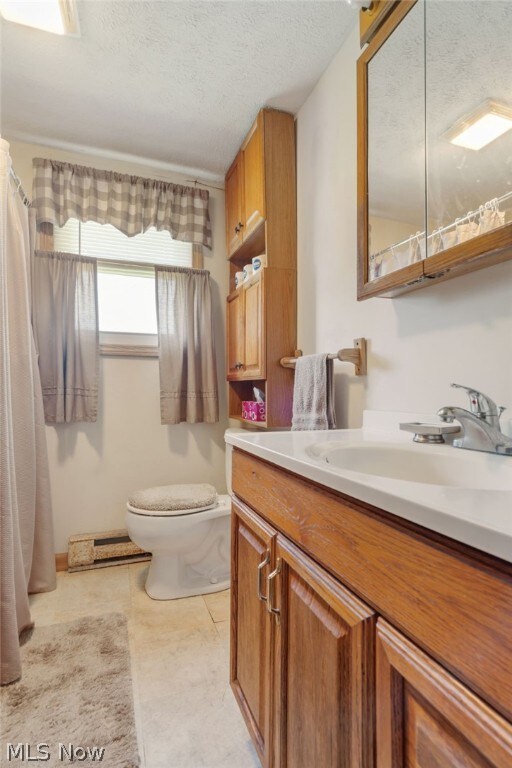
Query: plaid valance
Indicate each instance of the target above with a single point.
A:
(132, 204)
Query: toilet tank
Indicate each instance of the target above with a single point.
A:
(229, 457)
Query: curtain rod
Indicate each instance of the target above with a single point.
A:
(19, 187)
(203, 184)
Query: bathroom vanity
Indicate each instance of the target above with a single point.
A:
(369, 627)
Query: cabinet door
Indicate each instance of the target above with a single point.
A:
(235, 330)
(233, 193)
(251, 544)
(254, 331)
(426, 718)
(253, 178)
(324, 645)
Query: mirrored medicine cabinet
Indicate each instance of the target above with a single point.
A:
(434, 144)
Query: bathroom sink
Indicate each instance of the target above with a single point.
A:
(434, 465)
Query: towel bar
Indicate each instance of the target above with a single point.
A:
(355, 355)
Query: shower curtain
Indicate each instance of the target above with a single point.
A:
(27, 562)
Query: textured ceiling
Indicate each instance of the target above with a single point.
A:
(468, 60)
(178, 82)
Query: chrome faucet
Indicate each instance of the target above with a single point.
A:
(481, 424)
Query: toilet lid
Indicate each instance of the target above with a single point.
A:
(173, 499)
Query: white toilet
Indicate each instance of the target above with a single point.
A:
(187, 530)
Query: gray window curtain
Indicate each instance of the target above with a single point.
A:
(65, 319)
(188, 376)
(130, 203)
(27, 562)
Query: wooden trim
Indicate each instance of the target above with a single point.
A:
(401, 278)
(371, 18)
(197, 256)
(128, 350)
(61, 561)
(496, 242)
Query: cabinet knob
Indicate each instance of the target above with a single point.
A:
(240, 225)
(239, 365)
(237, 230)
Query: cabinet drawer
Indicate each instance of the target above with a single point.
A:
(455, 603)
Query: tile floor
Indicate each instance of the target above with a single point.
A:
(186, 714)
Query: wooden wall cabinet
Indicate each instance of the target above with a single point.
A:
(235, 331)
(245, 188)
(431, 206)
(246, 332)
(234, 205)
(261, 219)
(360, 640)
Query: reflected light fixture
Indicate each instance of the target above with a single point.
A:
(362, 5)
(57, 16)
(485, 124)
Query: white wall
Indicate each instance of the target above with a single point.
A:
(93, 467)
(458, 331)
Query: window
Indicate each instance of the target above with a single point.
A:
(126, 278)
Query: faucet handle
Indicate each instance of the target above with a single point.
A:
(480, 404)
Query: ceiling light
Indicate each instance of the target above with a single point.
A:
(474, 131)
(57, 16)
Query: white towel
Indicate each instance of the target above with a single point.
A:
(313, 393)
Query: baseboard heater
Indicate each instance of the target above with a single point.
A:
(100, 550)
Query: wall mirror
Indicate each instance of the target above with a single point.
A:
(435, 144)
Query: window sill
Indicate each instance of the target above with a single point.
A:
(128, 350)
(128, 344)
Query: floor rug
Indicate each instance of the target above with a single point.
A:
(74, 702)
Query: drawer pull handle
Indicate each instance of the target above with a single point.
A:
(271, 591)
(261, 567)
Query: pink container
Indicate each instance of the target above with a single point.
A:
(253, 411)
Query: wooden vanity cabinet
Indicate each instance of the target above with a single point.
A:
(386, 645)
(251, 541)
(323, 667)
(426, 717)
(301, 653)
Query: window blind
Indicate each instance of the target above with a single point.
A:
(106, 243)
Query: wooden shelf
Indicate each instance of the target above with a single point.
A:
(248, 421)
(253, 246)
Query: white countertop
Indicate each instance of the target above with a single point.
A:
(481, 518)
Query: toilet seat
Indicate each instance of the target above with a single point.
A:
(169, 512)
(170, 500)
